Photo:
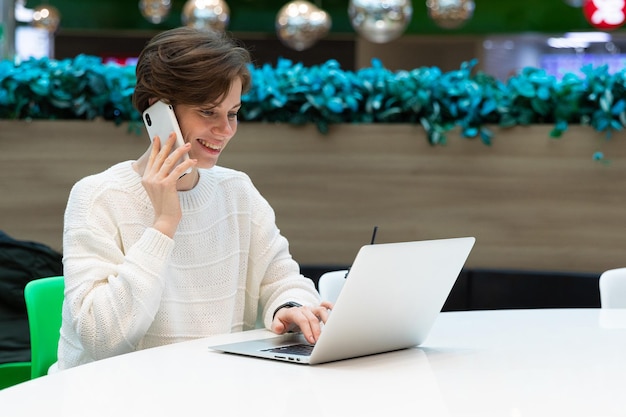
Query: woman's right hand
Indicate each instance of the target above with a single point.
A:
(159, 180)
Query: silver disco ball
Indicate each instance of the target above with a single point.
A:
(300, 24)
(450, 14)
(380, 21)
(213, 15)
(155, 11)
(46, 17)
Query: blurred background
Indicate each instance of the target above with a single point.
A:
(545, 214)
(504, 36)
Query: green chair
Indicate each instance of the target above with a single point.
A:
(44, 301)
(13, 373)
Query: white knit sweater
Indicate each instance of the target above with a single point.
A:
(130, 287)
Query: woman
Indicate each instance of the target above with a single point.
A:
(152, 256)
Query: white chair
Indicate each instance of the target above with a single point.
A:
(613, 288)
(331, 283)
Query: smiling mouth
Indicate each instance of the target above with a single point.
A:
(209, 145)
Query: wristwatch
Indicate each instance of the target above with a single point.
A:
(286, 305)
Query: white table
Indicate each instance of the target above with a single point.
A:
(506, 363)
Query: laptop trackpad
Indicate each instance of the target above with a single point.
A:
(265, 347)
(303, 349)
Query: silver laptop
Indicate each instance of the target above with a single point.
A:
(390, 300)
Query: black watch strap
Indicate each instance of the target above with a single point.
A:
(286, 305)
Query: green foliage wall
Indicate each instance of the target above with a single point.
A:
(85, 88)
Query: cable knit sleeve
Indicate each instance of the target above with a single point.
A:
(271, 260)
(112, 290)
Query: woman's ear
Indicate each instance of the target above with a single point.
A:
(152, 101)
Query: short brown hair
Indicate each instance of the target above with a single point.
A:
(189, 66)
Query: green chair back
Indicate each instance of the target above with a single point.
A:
(13, 373)
(44, 302)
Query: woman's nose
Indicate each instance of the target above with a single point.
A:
(223, 127)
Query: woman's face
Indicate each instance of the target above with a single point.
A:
(209, 128)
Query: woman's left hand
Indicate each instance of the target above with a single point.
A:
(305, 319)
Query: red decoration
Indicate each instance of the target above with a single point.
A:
(605, 14)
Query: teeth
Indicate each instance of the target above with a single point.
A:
(210, 146)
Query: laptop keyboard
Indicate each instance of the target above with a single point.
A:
(298, 349)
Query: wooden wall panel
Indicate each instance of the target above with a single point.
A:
(533, 203)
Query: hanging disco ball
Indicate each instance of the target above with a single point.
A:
(155, 11)
(300, 24)
(380, 21)
(212, 15)
(450, 14)
(46, 17)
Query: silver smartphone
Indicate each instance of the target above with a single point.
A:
(160, 120)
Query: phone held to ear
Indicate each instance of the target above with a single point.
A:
(160, 120)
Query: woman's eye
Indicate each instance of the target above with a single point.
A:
(213, 113)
